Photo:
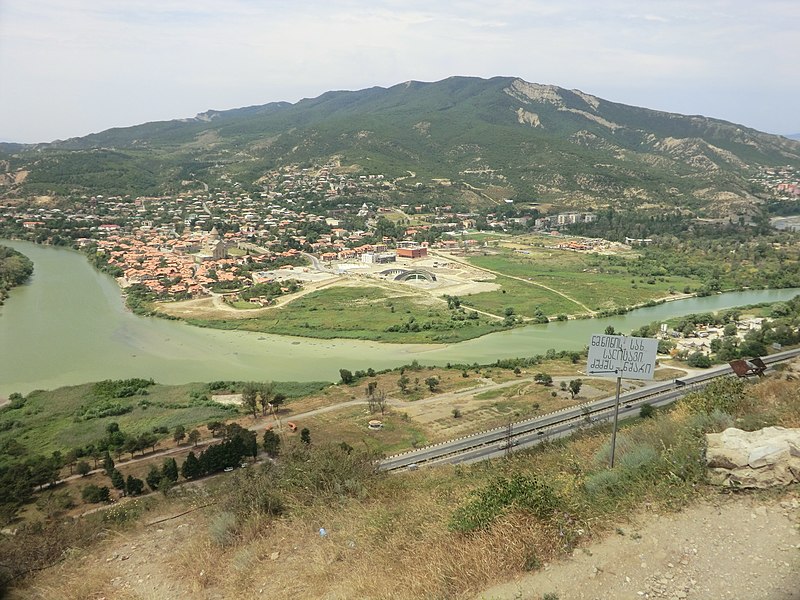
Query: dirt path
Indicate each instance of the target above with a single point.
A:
(522, 279)
(214, 306)
(730, 548)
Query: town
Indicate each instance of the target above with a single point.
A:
(219, 241)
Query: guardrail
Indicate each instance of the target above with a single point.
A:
(540, 425)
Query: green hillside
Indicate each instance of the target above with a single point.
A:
(528, 141)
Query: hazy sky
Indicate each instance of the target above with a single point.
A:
(72, 67)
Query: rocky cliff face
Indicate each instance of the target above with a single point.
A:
(754, 459)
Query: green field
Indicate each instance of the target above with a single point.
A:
(587, 278)
(51, 420)
(368, 313)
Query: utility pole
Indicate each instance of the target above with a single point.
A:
(616, 418)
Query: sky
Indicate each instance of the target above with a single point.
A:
(72, 67)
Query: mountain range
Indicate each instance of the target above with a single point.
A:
(501, 136)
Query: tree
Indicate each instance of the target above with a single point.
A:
(83, 468)
(214, 427)
(266, 391)
(402, 383)
(180, 434)
(543, 378)
(376, 398)
(305, 436)
(108, 464)
(131, 445)
(190, 467)
(271, 443)
(70, 458)
(250, 397)
(94, 452)
(698, 360)
(610, 330)
(664, 346)
(575, 387)
(380, 401)
(147, 440)
(117, 479)
(347, 376)
(194, 437)
(277, 401)
(170, 470)
(432, 383)
(134, 486)
(153, 478)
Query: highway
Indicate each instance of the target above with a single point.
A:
(524, 434)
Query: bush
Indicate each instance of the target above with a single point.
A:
(605, 483)
(95, 494)
(726, 394)
(698, 360)
(639, 458)
(524, 492)
(647, 411)
(222, 528)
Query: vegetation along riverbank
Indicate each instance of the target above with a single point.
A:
(15, 269)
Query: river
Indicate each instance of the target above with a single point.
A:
(68, 325)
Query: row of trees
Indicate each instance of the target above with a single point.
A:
(237, 444)
(263, 395)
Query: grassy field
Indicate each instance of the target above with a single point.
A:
(583, 277)
(369, 313)
(50, 420)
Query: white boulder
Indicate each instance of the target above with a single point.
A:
(754, 459)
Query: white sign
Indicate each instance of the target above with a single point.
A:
(621, 356)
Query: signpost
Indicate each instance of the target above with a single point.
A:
(620, 356)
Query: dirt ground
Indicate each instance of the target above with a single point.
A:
(731, 548)
(743, 547)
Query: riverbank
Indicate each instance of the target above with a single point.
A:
(15, 270)
(68, 325)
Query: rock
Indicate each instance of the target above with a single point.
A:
(754, 459)
(274, 556)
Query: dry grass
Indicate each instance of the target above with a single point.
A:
(388, 536)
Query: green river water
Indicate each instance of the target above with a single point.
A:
(69, 325)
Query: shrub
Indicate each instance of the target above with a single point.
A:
(95, 494)
(698, 360)
(647, 411)
(605, 483)
(726, 394)
(640, 457)
(222, 528)
(524, 492)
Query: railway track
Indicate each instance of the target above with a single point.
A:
(527, 433)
